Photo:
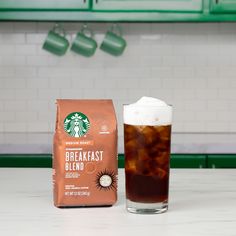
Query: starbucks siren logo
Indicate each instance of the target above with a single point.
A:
(76, 124)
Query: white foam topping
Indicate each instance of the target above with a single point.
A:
(148, 111)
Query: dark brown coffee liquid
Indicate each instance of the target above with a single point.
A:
(147, 157)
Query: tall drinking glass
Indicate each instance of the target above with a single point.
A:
(147, 138)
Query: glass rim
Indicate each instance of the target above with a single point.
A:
(167, 105)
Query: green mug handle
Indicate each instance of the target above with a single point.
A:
(87, 31)
(59, 30)
(116, 29)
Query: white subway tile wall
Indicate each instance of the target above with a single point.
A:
(192, 66)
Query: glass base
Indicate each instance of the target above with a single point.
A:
(146, 208)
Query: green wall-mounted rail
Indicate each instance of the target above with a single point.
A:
(177, 160)
(113, 16)
(119, 11)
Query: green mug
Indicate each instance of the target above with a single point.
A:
(84, 43)
(113, 42)
(56, 42)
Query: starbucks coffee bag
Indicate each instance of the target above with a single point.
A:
(85, 153)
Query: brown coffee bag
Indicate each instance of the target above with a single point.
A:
(85, 153)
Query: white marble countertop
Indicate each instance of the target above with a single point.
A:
(180, 143)
(202, 203)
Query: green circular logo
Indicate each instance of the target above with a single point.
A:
(76, 124)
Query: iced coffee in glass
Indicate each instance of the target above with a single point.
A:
(147, 137)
